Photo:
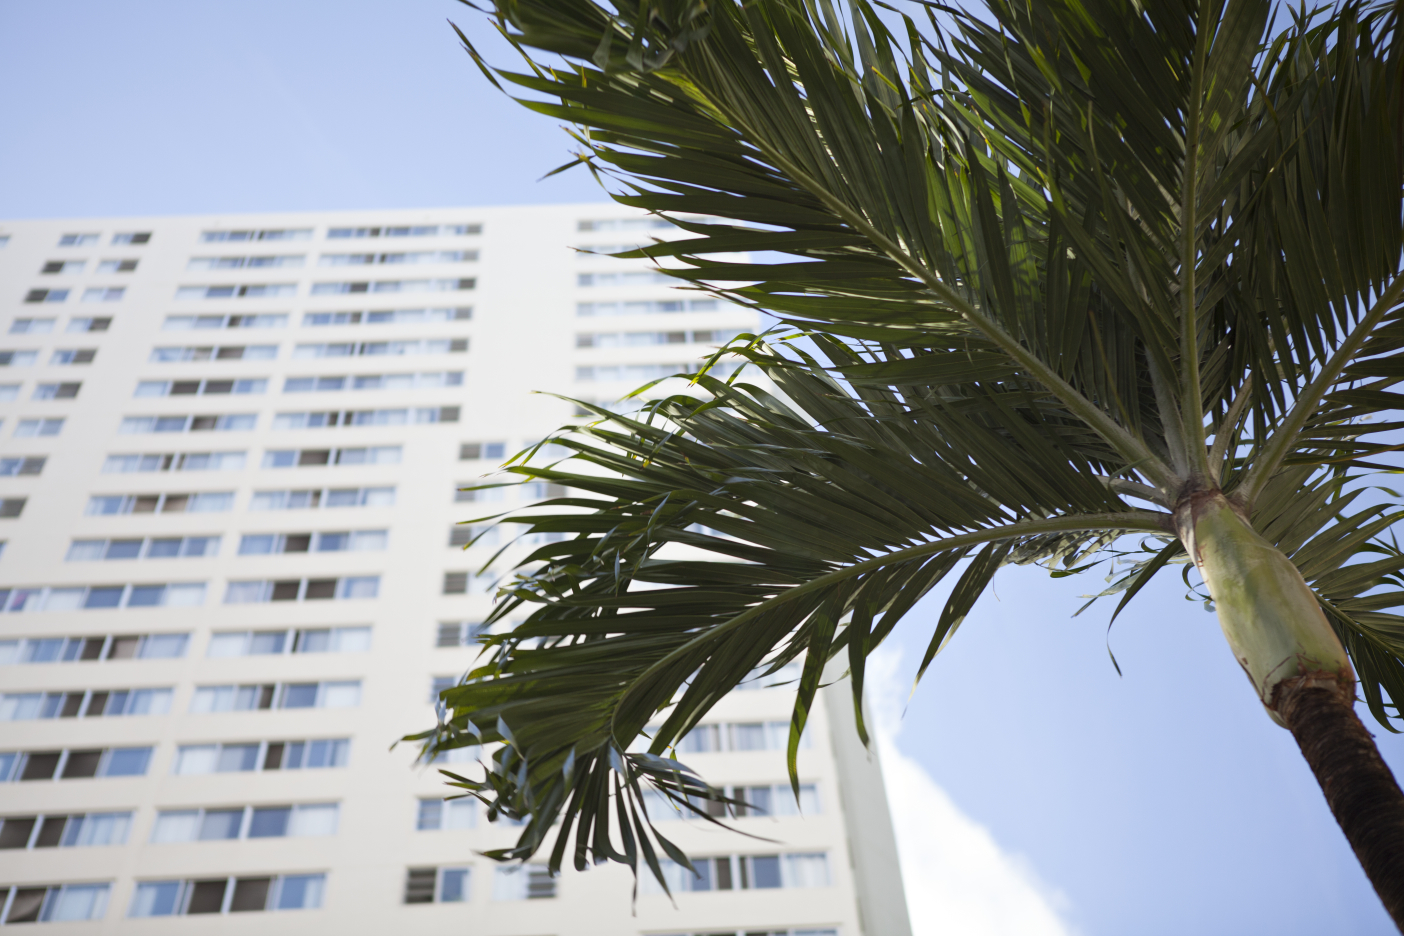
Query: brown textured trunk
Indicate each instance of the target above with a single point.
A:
(1362, 793)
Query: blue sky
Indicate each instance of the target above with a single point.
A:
(1041, 792)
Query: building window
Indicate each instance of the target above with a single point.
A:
(71, 649)
(117, 266)
(92, 550)
(132, 237)
(740, 736)
(417, 230)
(12, 507)
(231, 422)
(9, 392)
(102, 505)
(743, 872)
(46, 295)
(246, 291)
(301, 458)
(168, 355)
(324, 498)
(183, 461)
(631, 278)
(34, 428)
(248, 822)
(28, 465)
(23, 706)
(159, 388)
(388, 317)
(334, 384)
(751, 801)
(437, 814)
(623, 224)
(251, 592)
(437, 885)
(83, 597)
(250, 698)
(63, 267)
(320, 754)
(383, 417)
(381, 348)
(228, 895)
(455, 583)
(240, 263)
(72, 831)
(284, 234)
(522, 882)
(66, 356)
(420, 256)
(17, 358)
(264, 544)
(104, 294)
(648, 307)
(56, 391)
(77, 240)
(459, 633)
(471, 451)
(74, 764)
(393, 286)
(208, 322)
(99, 324)
(32, 326)
(54, 903)
(306, 640)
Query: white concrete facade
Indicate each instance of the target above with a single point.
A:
(166, 504)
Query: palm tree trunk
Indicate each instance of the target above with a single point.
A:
(1361, 791)
(1303, 677)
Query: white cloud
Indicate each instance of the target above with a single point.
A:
(958, 879)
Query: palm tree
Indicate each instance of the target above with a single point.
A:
(1063, 272)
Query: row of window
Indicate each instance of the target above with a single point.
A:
(73, 267)
(636, 339)
(227, 895)
(171, 825)
(121, 237)
(174, 646)
(104, 647)
(220, 501)
(341, 233)
(25, 706)
(348, 639)
(305, 820)
(743, 872)
(190, 759)
(74, 764)
(91, 294)
(772, 800)
(234, 461)
(14, 466)
(255, 262)
(44, 326)
(183, 354)
(42, 391)
(257, 291)
(61, 357)
(245, 422)
(241, 822)
(184, 594)
(624, 278)
(251, 544)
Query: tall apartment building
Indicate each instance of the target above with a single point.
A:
(230, 455)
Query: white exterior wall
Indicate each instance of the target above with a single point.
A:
(522, 338)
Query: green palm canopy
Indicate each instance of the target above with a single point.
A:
(1065, 271)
